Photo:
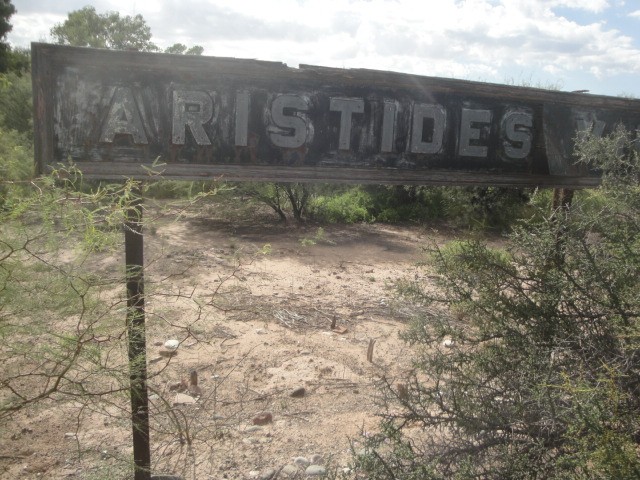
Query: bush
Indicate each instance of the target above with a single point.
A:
(527, 362)
(281, 197)
(476, 208)
(178, 189)
(16, 163)
(348, 206)
(380, 203)
(16, 104)
(408, 203)
(486, 208)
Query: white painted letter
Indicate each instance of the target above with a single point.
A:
(588, 123)
(242, 118)
(468, 133)
(436, 113)
(191, 109)
(388, 126)
(294, 125)
(348, 106)
(123, 118)
(520, 135)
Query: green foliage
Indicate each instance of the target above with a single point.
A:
(16, 165)
(408, 203)
(528, 366)
(281, 197)
(476, 208)
(349, 206)
(19, 60)
(53, 302)
(482, 208)
(182, 49)
(16, 105)
(16, 156)
(378, 203)
(87, 28)
(6, 11)
(176, 189)
(319, 237)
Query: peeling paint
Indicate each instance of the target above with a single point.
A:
(99, 106)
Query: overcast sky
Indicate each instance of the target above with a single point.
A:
(567, 44)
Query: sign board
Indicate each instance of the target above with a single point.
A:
(115, 114)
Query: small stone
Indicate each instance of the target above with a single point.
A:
(158, 344)
(289, 470)
(315, 470)
(316, 459)
(254, 474)
(261, 331)
(267, 474)
(178, 386)
(70, 435)
(340, 329)
(301, 461)
(183, 399)
(195, 390)
(298, 392)
(402, 390)
(163, 352)
(448, 343)
(262, 419)
(153, 397)
(252, 428)
(172, 344)
(305, 352)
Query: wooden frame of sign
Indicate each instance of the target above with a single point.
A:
(121, 114)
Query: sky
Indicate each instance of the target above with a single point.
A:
(562, 44)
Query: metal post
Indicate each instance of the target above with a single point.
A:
(562, 198)
(134, 260)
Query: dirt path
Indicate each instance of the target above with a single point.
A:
(252, 303)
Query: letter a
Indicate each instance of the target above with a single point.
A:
(123, 118)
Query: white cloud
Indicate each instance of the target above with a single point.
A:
(475, 39)
(635, 14)
(595, 6)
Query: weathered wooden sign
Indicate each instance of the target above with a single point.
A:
(116, 113)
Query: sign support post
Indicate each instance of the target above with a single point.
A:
(561, 206)
(134, 262)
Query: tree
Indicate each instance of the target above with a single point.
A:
(16, 106)
(19, 60)
(87, 28)
(277, 195)
(182, 49)
(528, 367)
(6, 10)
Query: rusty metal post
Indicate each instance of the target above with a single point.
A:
(134, 260)
(562, 198)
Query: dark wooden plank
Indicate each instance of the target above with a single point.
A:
(110, 111)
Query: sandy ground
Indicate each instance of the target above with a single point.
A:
(252, 303)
